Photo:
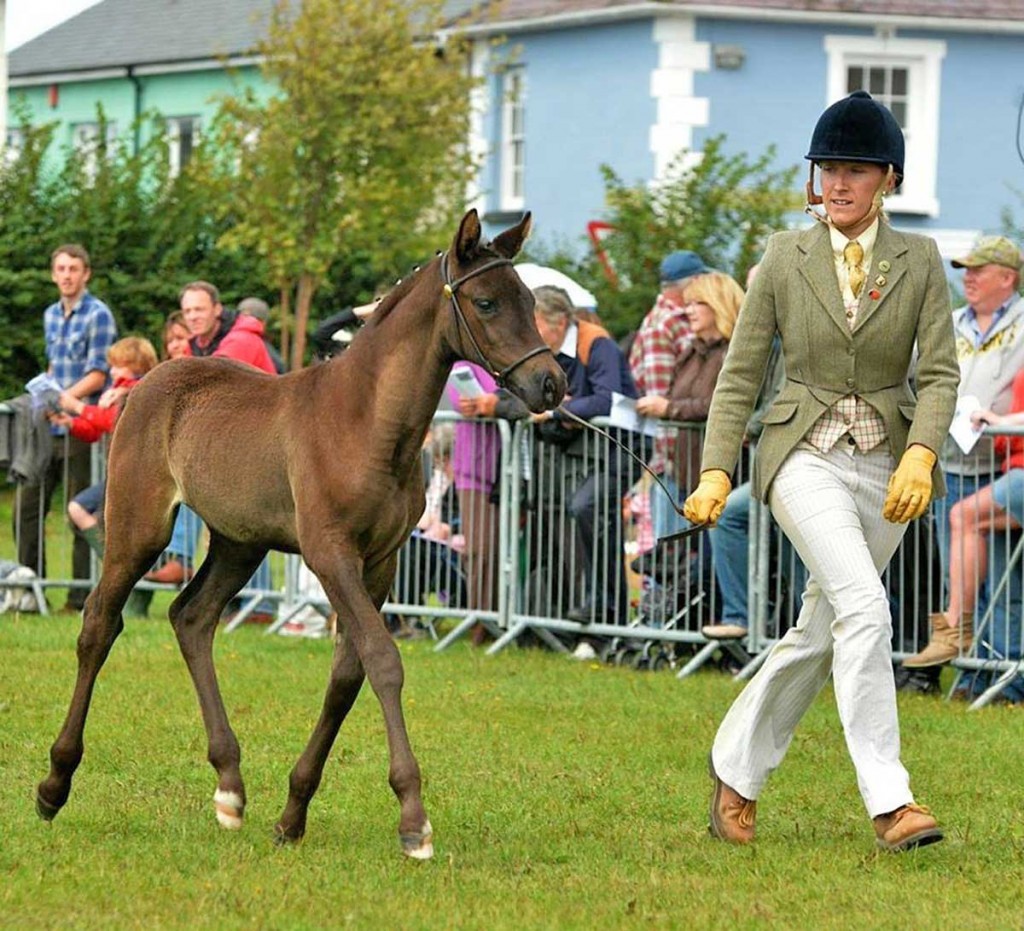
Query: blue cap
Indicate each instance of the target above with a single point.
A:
(679, 265)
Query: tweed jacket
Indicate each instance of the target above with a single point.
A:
(796, 294)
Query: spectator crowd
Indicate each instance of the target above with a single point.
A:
(667, 370)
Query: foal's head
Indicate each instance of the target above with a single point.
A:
(492, 320)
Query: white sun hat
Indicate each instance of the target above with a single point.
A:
(536, 276)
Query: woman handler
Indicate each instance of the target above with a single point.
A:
(849, 299)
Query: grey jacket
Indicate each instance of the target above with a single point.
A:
(26, 444)
(796, 294)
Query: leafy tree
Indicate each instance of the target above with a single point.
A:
(721, 206)
(147, 233)
(359, 158)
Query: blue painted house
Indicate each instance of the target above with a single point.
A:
(629, 83)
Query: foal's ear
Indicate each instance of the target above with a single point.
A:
(509, 243)
(467, 239)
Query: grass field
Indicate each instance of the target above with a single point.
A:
(563, 795)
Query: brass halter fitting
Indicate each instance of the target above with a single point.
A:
(449, 287)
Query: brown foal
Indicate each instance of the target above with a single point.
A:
(323, 462)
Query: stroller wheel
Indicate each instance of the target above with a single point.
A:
(661, 661)
(640, 661)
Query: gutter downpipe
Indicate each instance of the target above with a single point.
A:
(136, 107)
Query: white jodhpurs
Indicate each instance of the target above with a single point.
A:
(830, 507)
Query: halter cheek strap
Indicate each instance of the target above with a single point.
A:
(451, 288)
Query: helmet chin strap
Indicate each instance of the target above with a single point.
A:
(816, 200)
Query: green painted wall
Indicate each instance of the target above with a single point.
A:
(194, 93)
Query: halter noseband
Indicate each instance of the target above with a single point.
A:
(451, 289)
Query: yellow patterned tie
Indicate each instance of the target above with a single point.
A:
(853, 255)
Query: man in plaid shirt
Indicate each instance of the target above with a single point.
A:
(662, 336)
(79, 329)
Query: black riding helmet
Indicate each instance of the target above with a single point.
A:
(858, 129)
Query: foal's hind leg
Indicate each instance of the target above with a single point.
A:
(342, 689)
(125, 562)
(194, 615)
(359, 611)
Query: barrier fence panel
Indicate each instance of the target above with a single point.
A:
(552, 530)
(588, 563)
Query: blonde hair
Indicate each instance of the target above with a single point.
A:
(721, 293)
(133, 352)
(553, 304)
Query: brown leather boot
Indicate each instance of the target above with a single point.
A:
(905, 828)
(946, 642)
(171, 572)
(732, 815)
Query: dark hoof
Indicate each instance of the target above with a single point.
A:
(45, 810)
(283, 839)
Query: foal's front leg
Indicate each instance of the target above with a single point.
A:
(342, 690)
(382, 663)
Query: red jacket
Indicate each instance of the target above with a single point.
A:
(95, 421)
(1012, 447)
(244, 342)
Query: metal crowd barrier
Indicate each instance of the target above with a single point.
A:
(528, 538)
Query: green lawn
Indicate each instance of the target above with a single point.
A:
(562, 795)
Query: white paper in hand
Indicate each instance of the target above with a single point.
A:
(963, 431)
(465, 382)
(623, 414)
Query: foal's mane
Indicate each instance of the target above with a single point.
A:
(401, 289)
(405, 285)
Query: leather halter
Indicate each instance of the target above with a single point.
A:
(451, 289)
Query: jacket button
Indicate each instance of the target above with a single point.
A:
(850, 382)
(851, 351)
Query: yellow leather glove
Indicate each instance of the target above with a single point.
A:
(910, 487)
(705, 505)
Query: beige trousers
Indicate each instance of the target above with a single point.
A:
(830, 507)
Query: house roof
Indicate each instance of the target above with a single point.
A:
(119, 33)
(510, 11)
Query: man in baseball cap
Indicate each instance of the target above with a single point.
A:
(991, 250)
(676, 267)
(989, 332)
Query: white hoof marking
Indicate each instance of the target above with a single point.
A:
(229, 807)
(424, 849)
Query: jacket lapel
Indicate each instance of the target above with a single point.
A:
(819, 271)
(890, 248)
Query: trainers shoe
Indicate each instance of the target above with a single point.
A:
(584, 651)
(732, 815)
(309, 629)
(905, 828)
(723, 631)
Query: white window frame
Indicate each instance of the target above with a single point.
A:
(13, 145)
(85, 140)
(172, 134)
(513, 139)
(922, 58)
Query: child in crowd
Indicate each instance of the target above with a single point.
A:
(130, 358)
